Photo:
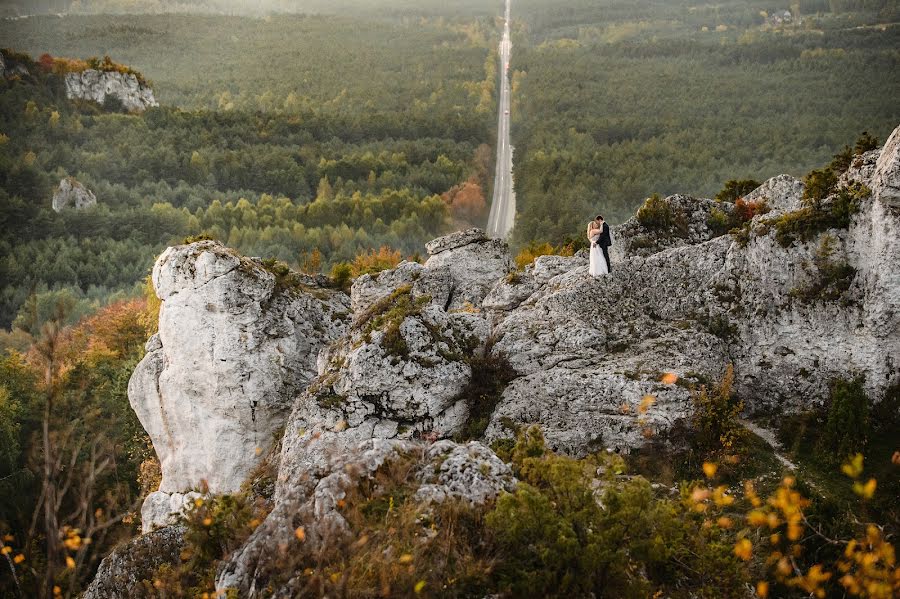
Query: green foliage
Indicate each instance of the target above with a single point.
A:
(715, 430)
(198, 237)
(342, 275)
(214, 526)
(808, 222)
(619, 98)
(554, 538)
(847, 425)
(831, 278)
(736, 188)
(865, 143)
(655, 213)
(243, 176)
(491, 373)
(819, 184)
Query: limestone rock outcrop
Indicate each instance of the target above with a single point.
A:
(121, 572)
(359, 382)
(323, 468)
(72, 194)
(96, 85)
(233, 350)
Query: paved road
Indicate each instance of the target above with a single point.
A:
(503, 205)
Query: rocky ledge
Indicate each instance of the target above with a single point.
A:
(95, 85)
(466, 347)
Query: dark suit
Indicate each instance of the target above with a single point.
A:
(604, 242)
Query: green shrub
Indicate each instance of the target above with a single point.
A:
(198, 237)
(806, 223)
(819, 185)
(342, 275)
(831, 278)
(865, 143)
(656, 213)
(214, 526)
(736, 188)
(715, 430)
(553, 538)
(491, 373)
(847, 425)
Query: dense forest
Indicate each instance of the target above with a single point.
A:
(615, 101)
(343, 154)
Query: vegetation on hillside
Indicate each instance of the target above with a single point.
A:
(618, 99)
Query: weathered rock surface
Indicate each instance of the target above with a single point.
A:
(690, 226)
(885, 183)
(72, 194)
(783, 193)
(320, 468)
(121, 572)
(588, 354)
(95, 85)
(232, 352)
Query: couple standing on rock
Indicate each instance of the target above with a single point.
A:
(600, 238)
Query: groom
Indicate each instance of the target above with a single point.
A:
(605, 241)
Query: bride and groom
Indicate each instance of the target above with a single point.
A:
(600, 238)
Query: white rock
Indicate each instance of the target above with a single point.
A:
(783, 192)
(231, 354)
(71, 193)
(95, 85)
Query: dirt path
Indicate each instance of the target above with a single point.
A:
(769, 437)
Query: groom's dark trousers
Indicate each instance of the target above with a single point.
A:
(604, 242)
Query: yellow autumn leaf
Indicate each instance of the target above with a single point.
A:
(854, 466)
(300, 533)
(646, 402)
(762, 589)
(406, 558)
(420, 586)
(743, 549)
(865, 490)
(207, 521)
(19, 559)
(6, 550)
(70, 563)
(669, 378)
(709, 469)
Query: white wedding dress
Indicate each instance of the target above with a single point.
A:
(598, 262)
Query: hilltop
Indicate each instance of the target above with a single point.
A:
(272, 379)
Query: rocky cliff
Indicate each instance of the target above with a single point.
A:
(96, 85)
(791, 301)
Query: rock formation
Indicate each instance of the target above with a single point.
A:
(357, 382)
(323, 466)
(235, 346)
(95, 85)
(72, 194)
(123, 570)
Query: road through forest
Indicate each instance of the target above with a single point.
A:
(503, 204)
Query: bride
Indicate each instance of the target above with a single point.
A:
(598, 262)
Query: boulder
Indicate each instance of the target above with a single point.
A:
(782, 193)
(122, 572)
(72, 194)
